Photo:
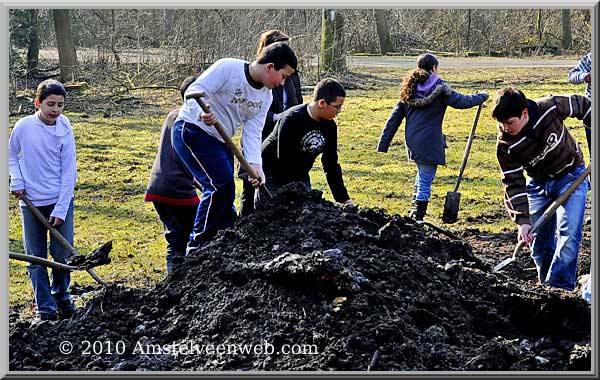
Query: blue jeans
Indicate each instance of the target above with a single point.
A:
(423, 181)
(211, 163)
(35, 240)
(556, 246)
(178, 223)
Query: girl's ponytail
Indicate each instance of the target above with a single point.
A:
(425, 64)
(410, 81)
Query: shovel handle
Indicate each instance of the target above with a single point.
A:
(552, 208)
(59, 237)
(40, 261)
(468, 147)
(47, 224)
(440, 230)
(228, 141)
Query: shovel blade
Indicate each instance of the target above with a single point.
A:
(503, 264)
(451, 207)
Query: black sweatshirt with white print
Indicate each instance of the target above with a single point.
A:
(289, 152)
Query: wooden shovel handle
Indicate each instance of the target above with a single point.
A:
(47, 224)
(219, 127)
(228, 141)
(468, 147)
(59, 237)
(553, 206)
(41, 261)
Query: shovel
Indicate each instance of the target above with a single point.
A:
(439, 229)
(229, 142)
(99, 256)
(545, 216)
(452, 203)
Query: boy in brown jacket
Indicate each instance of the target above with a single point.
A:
(532, 138)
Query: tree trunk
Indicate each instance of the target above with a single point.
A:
(33, 49)
(168, 21)
(383, 31)
(67, 56)
(333, 58)
(468, 37)
(539, 26)
(567, 37)
(113, 37)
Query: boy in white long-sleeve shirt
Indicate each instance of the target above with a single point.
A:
(43, 167)
(239, 93)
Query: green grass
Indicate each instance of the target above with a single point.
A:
(115, 156)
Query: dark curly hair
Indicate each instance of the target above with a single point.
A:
(425, 63)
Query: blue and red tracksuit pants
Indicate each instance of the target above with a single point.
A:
(210, 161)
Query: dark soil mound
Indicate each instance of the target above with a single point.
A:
(304, 284)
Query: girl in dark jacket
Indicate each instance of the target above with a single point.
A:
(284, 97)
(424, 97)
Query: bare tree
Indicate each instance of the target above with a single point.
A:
(67, 57)
(567, 37)
(468, 36)
(539, 26)
(383, 31)
(33, 48)
(134, 48)
(333, 57)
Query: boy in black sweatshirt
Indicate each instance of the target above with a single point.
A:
(300, 135)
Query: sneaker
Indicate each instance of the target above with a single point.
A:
(194, 248)
(66, 309)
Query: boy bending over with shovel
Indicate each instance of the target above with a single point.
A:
(239, 93)
(532, 138)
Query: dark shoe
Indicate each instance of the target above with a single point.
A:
(40, 318)
(588, 220)
(66, 309)
(418, 210)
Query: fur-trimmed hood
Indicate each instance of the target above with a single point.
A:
(442, 88)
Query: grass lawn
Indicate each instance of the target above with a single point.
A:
(115, 154)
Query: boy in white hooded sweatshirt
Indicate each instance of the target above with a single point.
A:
(42, 164)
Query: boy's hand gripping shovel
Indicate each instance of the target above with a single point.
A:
(452, 203)
(74, 264)
(545, 216)
(229, 142)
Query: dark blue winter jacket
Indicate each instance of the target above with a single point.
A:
(424, 113)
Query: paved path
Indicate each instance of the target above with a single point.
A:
(357, 61)
(463, 62)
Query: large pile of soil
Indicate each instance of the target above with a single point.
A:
(343, 288)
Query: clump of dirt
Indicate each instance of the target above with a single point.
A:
(304, 284)
(94, 259)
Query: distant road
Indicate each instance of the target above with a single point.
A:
(158, 55)
(409, 62)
